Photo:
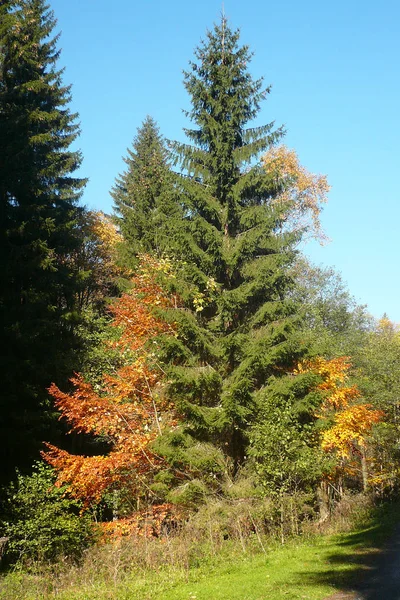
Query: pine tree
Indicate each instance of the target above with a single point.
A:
(38, 222)
(232, 254)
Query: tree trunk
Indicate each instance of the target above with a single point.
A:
(364, 470)
(323, 501)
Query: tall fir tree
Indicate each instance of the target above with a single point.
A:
(233, 253)
(39, 221)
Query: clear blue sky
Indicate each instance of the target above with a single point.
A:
(334, 68)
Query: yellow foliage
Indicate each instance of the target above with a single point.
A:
(352, 420)
(351, 428)
(105, 230)
(303, 192)
(334, 373)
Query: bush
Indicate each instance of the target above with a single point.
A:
(41, 522)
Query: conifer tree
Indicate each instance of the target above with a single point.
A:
(143, 194)
(236, 339)
(38, 222)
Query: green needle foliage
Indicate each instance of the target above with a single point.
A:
(38, 223)
(232, 256)
(144, 197)
(238, 255)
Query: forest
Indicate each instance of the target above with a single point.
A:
(179, 365)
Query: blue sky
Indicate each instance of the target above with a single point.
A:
(334, 68)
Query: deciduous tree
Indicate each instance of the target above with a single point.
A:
(302, 192)
(346, 421)
(128, 410)
(377, 369)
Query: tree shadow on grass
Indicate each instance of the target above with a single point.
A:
(367, 567)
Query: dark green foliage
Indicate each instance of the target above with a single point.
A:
(39, 224)
(41, 522)
(237, 259)
(97, 355)
(144, 196)
(231, 256)
(224, 99)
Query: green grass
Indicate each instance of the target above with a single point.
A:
(304, 569)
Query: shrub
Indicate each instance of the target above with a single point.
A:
(41, 522)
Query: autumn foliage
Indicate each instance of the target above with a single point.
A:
(129, 410)
(346, 420)
(149, 522)
(303, 192)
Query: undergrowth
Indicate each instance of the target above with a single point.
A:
(220, 539)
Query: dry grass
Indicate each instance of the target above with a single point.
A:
(222, 532)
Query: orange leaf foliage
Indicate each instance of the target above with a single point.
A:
(127, 410)
(146, 523)
(134, 311)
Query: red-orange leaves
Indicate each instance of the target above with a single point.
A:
(135, 311)
(106, 415)
(129, 410)
(87, 477)
(146, 523)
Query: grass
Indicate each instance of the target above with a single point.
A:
(311, 569)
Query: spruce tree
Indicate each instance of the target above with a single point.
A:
(237, 327)
(38, 223)
(143, 194)
(238, 255)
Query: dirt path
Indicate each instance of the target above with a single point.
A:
(379, 575)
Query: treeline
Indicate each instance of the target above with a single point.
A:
(193, 353)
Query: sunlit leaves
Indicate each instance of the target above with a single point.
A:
(350, 430)
(302, 192)
(346, 420)
(334, 374)
(129, 410)
(146, 523)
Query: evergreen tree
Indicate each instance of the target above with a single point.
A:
(237, 238)
(143, 193)
(233, 257)
(38, 223)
